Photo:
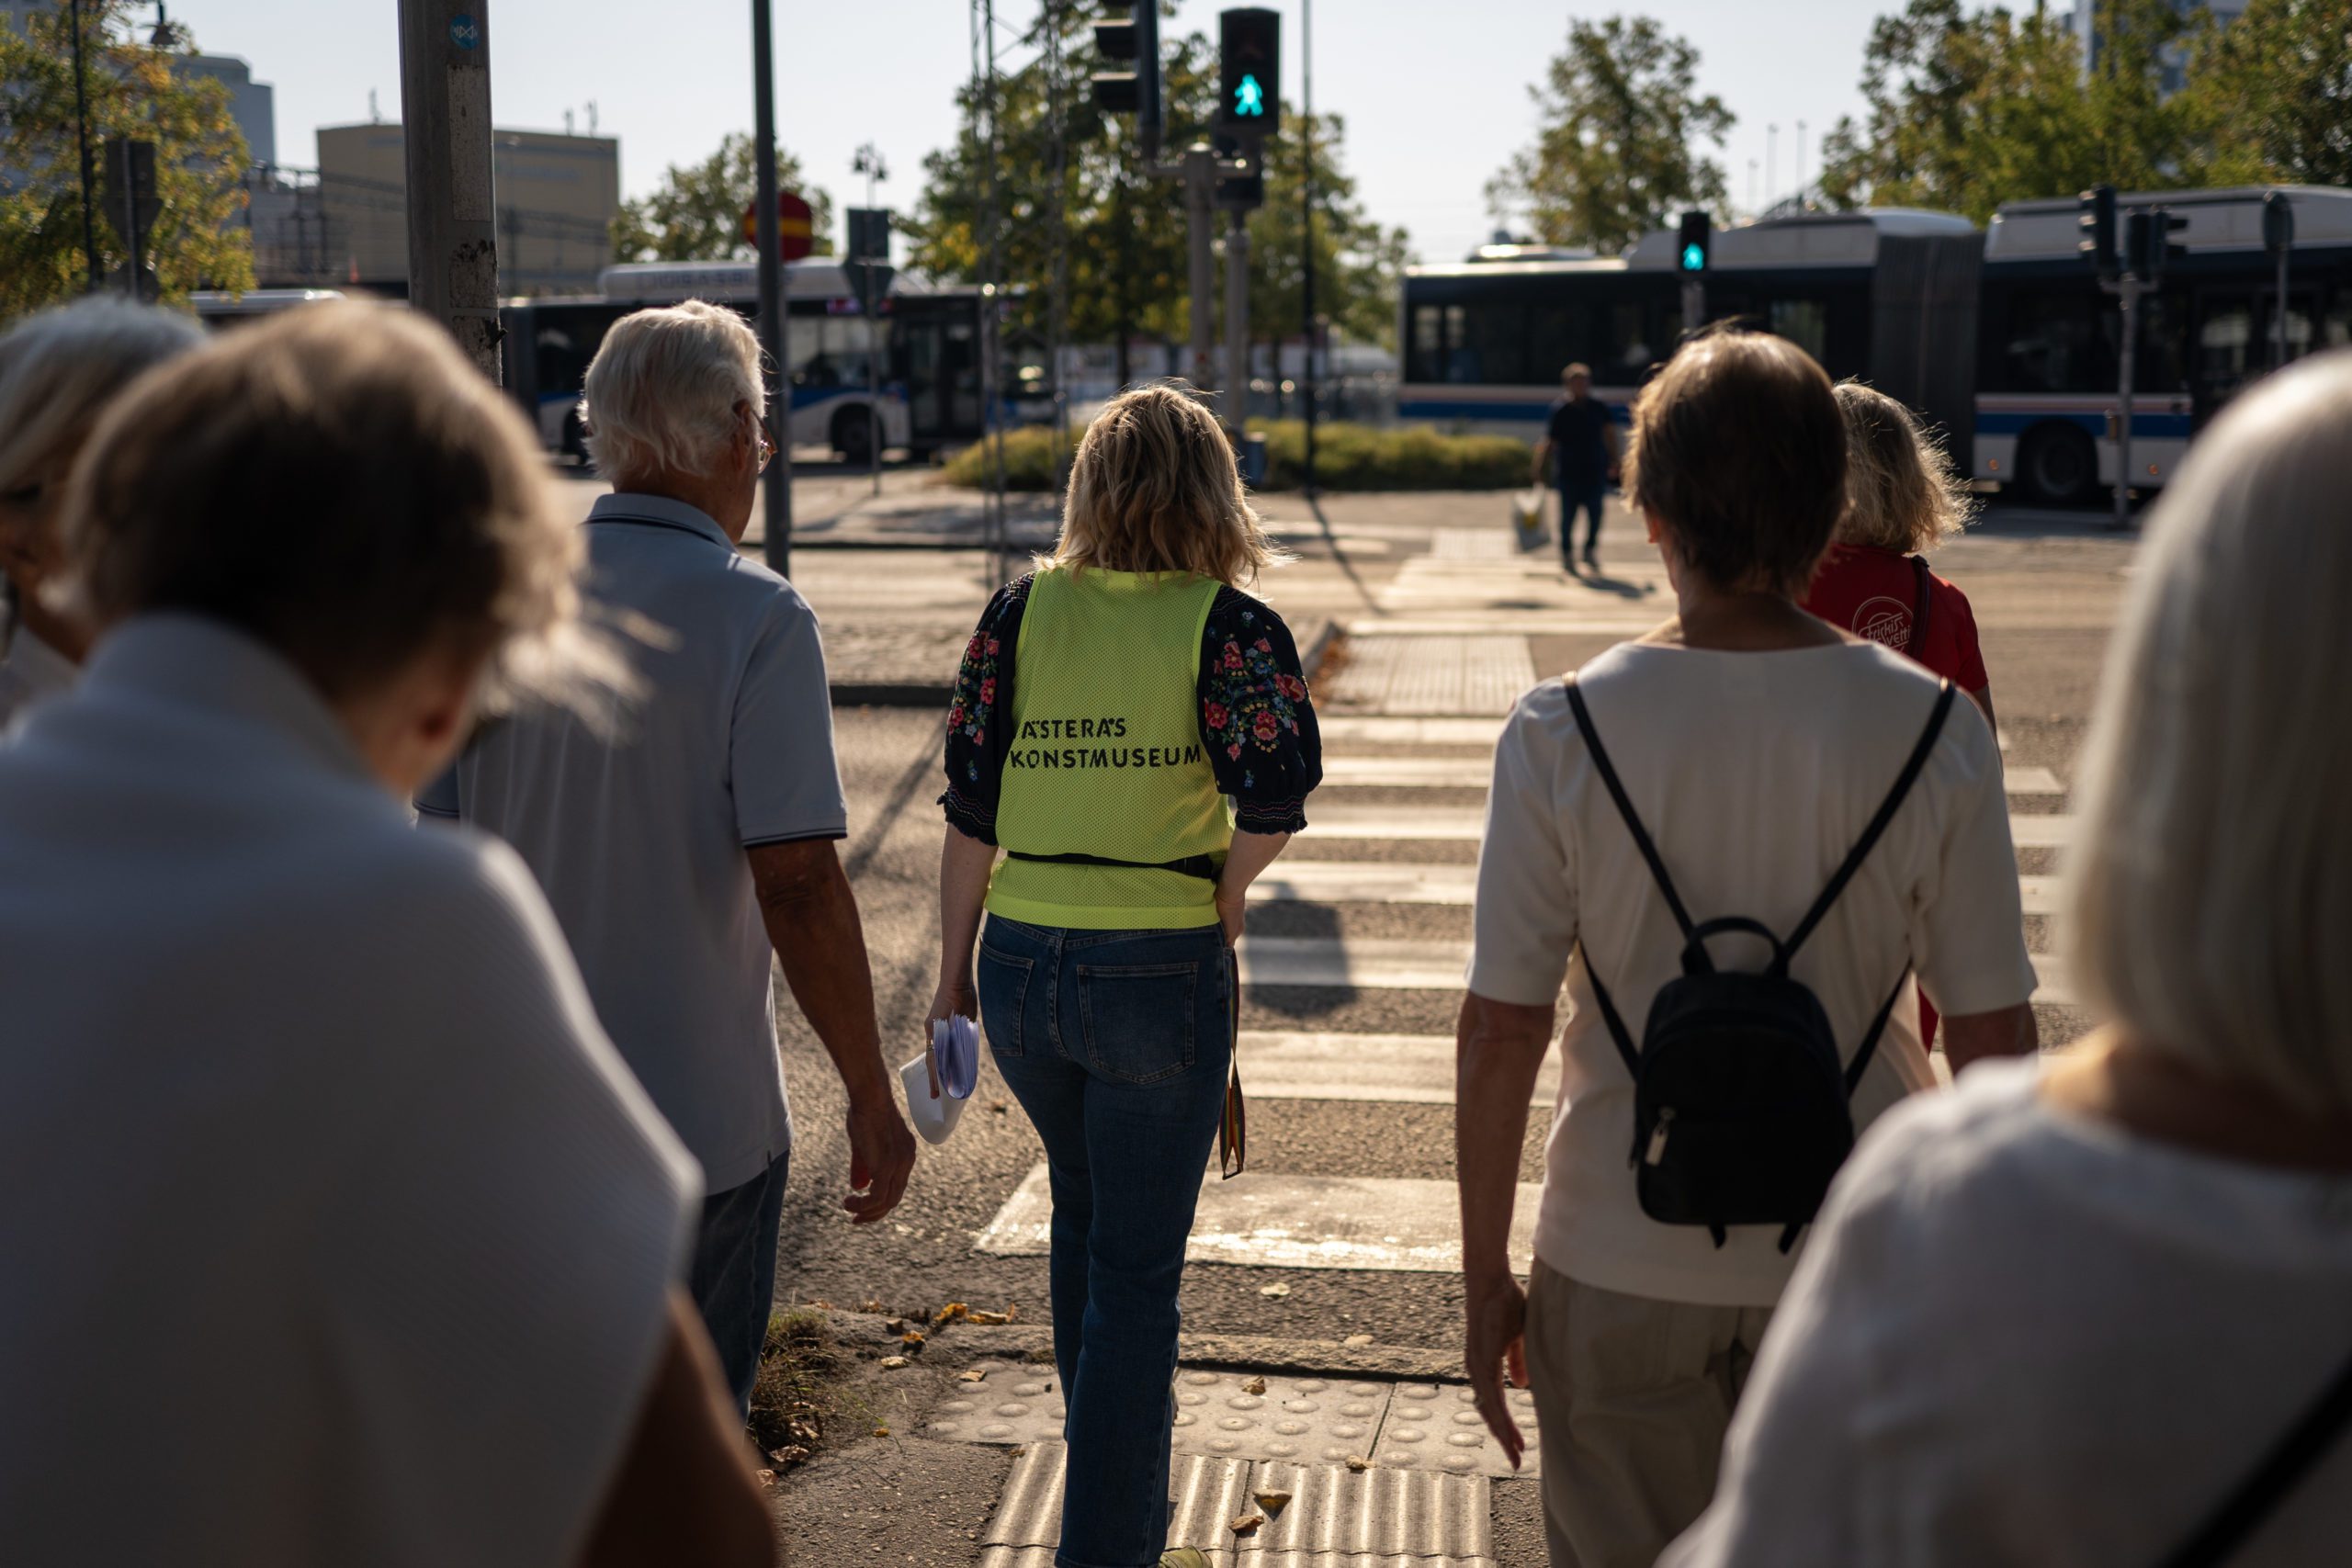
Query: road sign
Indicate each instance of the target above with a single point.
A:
(795, 227)
(869, 233)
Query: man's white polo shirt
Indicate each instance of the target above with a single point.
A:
(311, 1155)
(639, 840)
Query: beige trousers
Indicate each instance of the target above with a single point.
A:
(1632, 1398)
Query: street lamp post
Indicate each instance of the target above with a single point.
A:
(869, 163)
(82, 135)
(776, 491)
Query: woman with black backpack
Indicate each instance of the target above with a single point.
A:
(1737, 839)
(2100, 1311)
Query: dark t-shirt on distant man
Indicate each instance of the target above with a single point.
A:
(1577, 432)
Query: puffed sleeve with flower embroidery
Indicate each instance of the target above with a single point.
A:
(1256, 718)
(980, 718)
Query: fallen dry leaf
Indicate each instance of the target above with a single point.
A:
(990, 1318)
(896, 1325)
(954, 1312)
(998, 1106)
(1275, 1291)
(1357, 1339)
(791, 1455)
(1273, 1502)
(911, 1336)
(893, 1363)
(1246, 1524)
(1255, 1385)
(1358, 1462)
(871, 1306)
(764, 1477)
(977, 1374)
(881, 1431)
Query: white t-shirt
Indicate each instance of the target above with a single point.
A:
(319, 1184)
(1754, 773)
(2022, 1336)
(639, 842)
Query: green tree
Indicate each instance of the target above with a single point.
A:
(696, 213)
(1968, 111)
(2269, 96)
(133, 91)
(1620, 115)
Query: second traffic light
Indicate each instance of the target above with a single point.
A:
(2096, 223)
(1693, 244)
(1249, 58)
(1136, 90)
(2148, 247)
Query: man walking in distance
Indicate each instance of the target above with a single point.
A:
(693, 834)
(1582, 447)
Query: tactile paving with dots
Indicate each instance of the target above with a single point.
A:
(1303, 1420)
(1436, 1426)
(1015, 1402)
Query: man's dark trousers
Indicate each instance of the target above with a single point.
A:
(732, 1276)
(1590, 494)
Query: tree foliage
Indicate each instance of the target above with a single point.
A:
(199, 241)
(1123, 231)
(1620, 117)
(696, 213)
(2271, 96)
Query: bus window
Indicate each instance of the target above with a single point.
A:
(2226, 350)
(2162, 365)
(1804, 322)
(2337, 331)
(1425, 356)
(1558, 336)
(2058, 340)
(1494, 345)
(1630, 354)
(1461, 363)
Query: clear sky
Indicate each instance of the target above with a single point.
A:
(1435, 95)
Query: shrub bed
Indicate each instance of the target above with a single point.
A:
(1347, 457)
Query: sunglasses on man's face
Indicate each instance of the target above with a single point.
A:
(767, 451)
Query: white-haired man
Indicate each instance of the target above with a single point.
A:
(679, 850)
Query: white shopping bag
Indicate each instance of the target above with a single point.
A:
(1527, 518)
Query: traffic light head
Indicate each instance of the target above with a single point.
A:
(1693, 244)
(1249, 45)
(2097, 225)
(2160, 251)
(2278, 223)
(1136, 90)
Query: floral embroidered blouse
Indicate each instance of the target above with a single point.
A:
(1256, 719)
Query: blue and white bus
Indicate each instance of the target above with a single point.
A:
(829, 345)
(1884, 295)
(2047, 366)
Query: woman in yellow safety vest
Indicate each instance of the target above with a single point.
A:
(1108, 708)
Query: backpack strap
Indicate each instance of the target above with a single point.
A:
(1923, 595)
(1610, 1015)
(1608, 773)
(2257, 1496)
(1862, 846)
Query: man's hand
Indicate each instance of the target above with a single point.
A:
(881, 1157)
(1495, 1348)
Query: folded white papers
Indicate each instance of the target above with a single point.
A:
(956, 1048)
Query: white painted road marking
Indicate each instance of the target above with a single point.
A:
(1392, 882)
(1272, 1221)
(1477, 772)
(1390, 964)
(2027, 830)
(1409, 1069)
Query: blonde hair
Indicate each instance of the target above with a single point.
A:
(341, 483)
(2211, 884)
(662, 390)
(59, 369)
(1155, 488)
(1901, 493)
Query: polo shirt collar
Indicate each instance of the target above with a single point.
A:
(196, 661)
(661, 509)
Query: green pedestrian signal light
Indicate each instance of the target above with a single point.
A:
(1248, 72)
(1691, 240)
(1693, 257)
(1249, 99)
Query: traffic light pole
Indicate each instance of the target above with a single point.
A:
(1237, 323)
(2128, 289)
(1199, 174)
(1694, 305)
(776, 491)
(445, 135)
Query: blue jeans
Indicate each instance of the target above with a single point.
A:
(1586, 495)
(732, 1276)
(1117, 1044)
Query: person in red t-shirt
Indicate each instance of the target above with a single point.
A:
(1902, 496)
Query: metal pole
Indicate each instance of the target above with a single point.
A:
(82, 135)
(1306, 222)
(1237, 325)
(2129, 288)
(2279, 317)
(1694, 305)
(1200, 182)
(776, 492)
(445, 136)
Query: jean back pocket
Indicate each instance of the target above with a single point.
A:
(1002, 982)
(1138, 1019)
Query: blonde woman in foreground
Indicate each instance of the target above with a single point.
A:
(1107, 704)
(2073, 1311)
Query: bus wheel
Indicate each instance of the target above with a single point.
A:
(2057, 465)
(854, 436)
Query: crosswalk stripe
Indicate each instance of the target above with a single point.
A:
(2027, 830)
(1409, 729)
(1412, 1069)
(1389, 882)
(1477, 772)
(1273, 1220)
(1402, 963)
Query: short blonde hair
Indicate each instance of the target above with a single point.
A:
(59, 368)
(1901, 493)
(2210, 881)
(1155, 488)
(662, 390)
(342, 484)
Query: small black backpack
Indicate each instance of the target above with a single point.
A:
(1741, 1111)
